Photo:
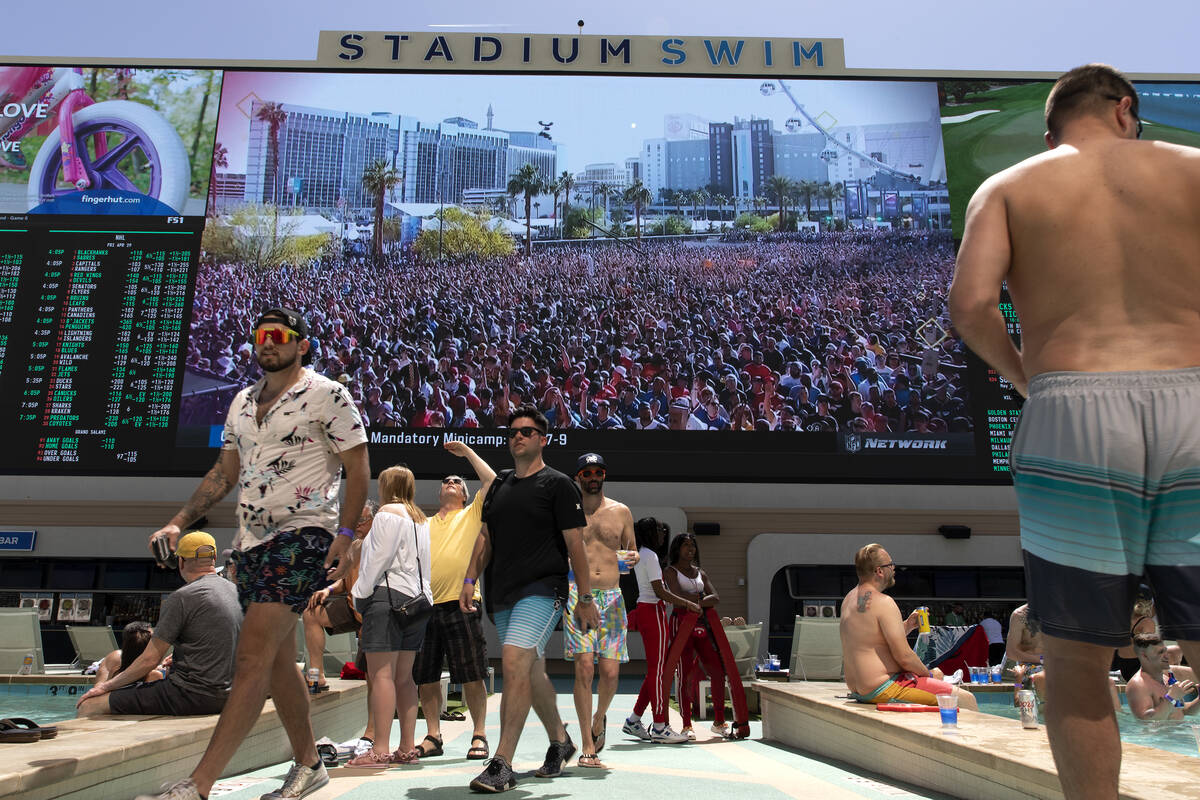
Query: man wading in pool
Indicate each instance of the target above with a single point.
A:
(1099, 242)
(880, 666)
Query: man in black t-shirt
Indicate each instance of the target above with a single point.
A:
(532, 534)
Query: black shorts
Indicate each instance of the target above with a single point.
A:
(341, 616)
(381, 631)
(163, 698)
(286, 569)
(455, 637)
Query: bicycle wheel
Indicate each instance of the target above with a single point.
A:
(125, 146)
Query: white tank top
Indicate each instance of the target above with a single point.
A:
(691, 585)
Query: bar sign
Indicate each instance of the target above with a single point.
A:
(17, 540)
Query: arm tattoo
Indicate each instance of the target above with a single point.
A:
(216, 485)
(864, 600)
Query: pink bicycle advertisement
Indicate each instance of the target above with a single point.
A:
(106, 140)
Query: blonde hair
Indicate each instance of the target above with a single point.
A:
(397, 485)
(864, 560)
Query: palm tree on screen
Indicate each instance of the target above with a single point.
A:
(780, 186)
(273, 114)
(638, 195)
(377, 180)
(529, 182)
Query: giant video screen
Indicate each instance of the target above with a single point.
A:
(717, 279)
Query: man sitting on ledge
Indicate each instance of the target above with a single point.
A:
(201, 620)
(880, 667)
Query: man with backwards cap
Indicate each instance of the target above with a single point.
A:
(286, 440)
(609, 529)
(201, 620)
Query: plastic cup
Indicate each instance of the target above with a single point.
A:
(974, 674)
(774, 661)
(994, 674)
(622, 564)
(948, 708)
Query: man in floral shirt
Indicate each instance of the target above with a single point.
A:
(286, 440)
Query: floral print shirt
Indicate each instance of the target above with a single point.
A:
(290, 467)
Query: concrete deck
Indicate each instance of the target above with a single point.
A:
(989, 757)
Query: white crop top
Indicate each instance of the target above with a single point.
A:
(691, 585)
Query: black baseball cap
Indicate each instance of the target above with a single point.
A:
(293, 319)
(590, 460)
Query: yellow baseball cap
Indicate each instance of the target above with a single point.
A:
(196, 544)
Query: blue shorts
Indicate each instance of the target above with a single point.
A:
(529, 623)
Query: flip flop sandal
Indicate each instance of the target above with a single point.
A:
(598, 738)
(411, 757)
(591, 761)
(318, 689)
(453, 716)
(478, 752)
(20, 729)
(423, 753)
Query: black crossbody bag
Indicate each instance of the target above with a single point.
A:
(416, 608)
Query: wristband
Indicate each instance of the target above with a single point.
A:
(469, 581)
(347, 532)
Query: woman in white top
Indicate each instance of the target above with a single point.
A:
(393, 568)
(649, 618)
(685, 579)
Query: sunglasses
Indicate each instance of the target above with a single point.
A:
(885, 566)
(276, 335)
(452, 480)
(526, 431)
(592, 473)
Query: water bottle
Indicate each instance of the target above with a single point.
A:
(27, 664)
(1171, 682)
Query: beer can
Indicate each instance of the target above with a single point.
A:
(923, 619)
(1027, 702)
(314, 678)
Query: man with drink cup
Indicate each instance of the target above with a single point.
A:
(611, 550)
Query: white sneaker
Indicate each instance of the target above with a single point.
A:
(689, 733)
(954, 679)
(636, 728)
(300, 781)
(180, 790)
(666, 735)
(721, 729)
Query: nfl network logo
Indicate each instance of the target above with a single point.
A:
(853, 442)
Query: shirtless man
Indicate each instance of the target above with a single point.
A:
(1024, 645)
(1149, 695)
(1099, 241)
(880, 667)
(609, 529)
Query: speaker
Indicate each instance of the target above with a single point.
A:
(955, 531)
(706, 528)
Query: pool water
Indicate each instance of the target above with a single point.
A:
(1175, 737)
(40, 702)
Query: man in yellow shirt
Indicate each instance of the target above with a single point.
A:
(451, 634)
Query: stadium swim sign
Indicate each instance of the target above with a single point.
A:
(542, 53)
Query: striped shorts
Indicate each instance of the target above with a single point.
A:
(1107, 472)
(528, 623)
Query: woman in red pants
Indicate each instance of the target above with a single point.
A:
(685, 579)
(649, 618)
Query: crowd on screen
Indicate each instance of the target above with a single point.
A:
(827, 332)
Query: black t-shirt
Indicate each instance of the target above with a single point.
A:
(525, 519)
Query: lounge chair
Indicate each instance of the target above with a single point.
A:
(91, 642)
(20, 634)
(816, 649)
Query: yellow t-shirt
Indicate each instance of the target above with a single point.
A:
(451, 542)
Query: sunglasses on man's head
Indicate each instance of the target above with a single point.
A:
(276, 335)
(596, 472)
(526, 431)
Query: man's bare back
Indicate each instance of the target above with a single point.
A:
(1100, 243)
(609, 529)
(867, 659)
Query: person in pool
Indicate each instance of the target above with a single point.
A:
(880, 666)
(1151, 692)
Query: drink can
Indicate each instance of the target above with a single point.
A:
(1027, 702)
(314, 677)
(923, 619)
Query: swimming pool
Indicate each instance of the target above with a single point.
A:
(41, 702)
(1175, 737)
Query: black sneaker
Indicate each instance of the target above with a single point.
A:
(557, 754)
(497, 777)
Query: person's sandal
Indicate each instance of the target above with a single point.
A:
(598, 738)
(452, 716)
(411, 757)
(592, 761)
(372, 759)
(435, 751)
(478, 752)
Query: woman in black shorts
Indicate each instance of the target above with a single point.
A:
(393, 569)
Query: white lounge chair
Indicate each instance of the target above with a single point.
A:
(816, 649)
(20, 634)
(91, 642)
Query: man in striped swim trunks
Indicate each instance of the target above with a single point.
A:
(609, 529)
(1099, 241)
